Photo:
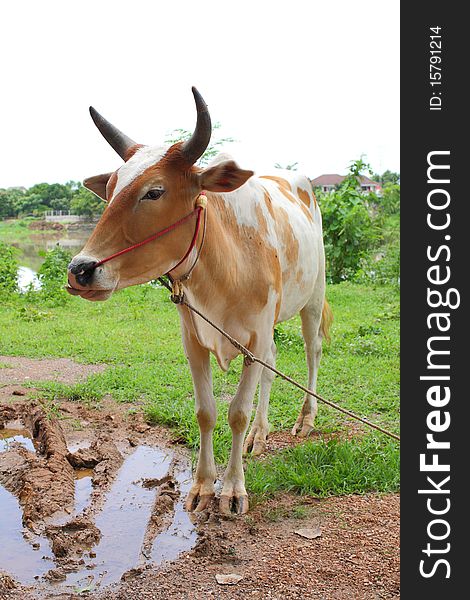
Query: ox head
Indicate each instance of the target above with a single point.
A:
(155, 187)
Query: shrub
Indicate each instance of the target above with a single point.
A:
(53, 276)
(8, 269)
(390, 199)
(382, 267)
(348, 228)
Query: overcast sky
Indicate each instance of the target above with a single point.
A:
(294, 81)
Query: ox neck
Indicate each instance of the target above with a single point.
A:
(209, 275)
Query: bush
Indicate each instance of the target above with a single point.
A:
(390, 199)
(53, 276)
(382, 267)
(348, 228)
(8, 269)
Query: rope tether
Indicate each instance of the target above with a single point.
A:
(251, 358)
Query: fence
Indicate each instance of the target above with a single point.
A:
(62, 216)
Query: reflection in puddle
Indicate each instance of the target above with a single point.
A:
(124, 518)
(18, 557)
(80, 445)
(14, 432)
(83, 489)
(181, 536)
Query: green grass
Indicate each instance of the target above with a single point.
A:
(18, 230)
(136, 333)
(328, 468)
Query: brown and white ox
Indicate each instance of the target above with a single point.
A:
(261, 262)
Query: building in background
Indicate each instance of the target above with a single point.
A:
(328, 183)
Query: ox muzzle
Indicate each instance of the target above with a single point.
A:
(85, 279)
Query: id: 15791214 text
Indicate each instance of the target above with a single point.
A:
(435, 68)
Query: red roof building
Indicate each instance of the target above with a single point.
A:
(328, 183)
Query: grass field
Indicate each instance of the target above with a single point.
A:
(136, 333)
(15, 230)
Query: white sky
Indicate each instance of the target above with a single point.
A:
(301, 80)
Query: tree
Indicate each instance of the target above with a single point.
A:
(41, 197)
(85, 203)
(356, 169)
(53, 194)
(290, 167)
(181, 135)
(387, 177)
(31, 204)
(7, 204)
(11, 201)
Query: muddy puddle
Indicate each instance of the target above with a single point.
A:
(82, 515)
(18, 556)
(13, 434)
(83, 488)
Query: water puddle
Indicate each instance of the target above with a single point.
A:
(125, 518)
(23, 558)
(15, 433)
(181, 535)
(32, 250)
(83, 489)
(140, 519)
(79, 445)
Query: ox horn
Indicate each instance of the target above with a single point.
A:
(195, 147)
(115, 138)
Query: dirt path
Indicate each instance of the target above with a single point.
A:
(356, 556)
(49, 464)
(17, 371)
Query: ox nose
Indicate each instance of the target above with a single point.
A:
(80, 271)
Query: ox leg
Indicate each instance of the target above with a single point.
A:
(202, 490)
(233, 498)
(256, 439)
(311, 316)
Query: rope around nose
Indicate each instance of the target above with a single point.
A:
(197, 211)
(251, 358)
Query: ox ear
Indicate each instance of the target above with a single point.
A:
(224, 177)
(97, 184)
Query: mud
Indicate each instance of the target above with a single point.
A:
(43, 480)
(357, 555)
(71, 499)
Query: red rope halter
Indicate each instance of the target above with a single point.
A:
(198, 210)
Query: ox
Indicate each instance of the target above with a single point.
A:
(260, 262)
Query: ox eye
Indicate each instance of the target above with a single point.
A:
(153, 194)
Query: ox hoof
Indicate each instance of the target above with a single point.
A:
(233, 505)
(255, 441)
(198, 503)
(303, 427)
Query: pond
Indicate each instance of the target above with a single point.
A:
(32, 248)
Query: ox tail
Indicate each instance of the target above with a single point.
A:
(326, 321)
